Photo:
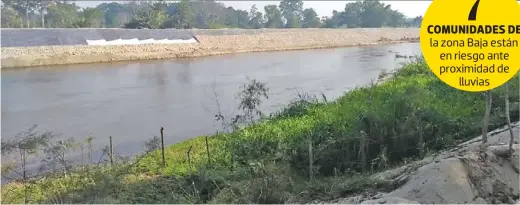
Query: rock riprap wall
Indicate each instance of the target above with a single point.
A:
(38, 47)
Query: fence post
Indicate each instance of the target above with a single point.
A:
(311, 167)
(162, 148)
(421, 140)
(25, 196)
(207, 150)
(362, 151)
(111, 151)
(189, 159)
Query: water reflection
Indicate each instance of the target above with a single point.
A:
(131, 101)
(184, 76)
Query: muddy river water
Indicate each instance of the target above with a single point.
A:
(130, 101)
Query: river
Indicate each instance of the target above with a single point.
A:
(130, 101)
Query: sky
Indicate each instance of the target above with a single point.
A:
(323, 8)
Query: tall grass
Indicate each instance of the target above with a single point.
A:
(409, 114)
(393, 115)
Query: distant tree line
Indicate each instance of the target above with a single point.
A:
(196, 14)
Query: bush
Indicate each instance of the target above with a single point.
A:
(412, 103)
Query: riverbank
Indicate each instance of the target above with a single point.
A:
(309, 151)
(423, 181)
(280, 40)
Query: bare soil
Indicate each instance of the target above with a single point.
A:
(465, 174)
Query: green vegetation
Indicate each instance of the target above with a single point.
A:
(196, 14)
(312, 150)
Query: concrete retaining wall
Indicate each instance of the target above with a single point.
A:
(79, 36)
(38, 47)
(52, 37)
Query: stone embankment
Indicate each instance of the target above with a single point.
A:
(209, 44)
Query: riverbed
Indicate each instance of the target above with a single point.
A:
(131, 101)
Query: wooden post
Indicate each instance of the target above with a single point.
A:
(22, 151)
(82, 157)
(111, 151)
(162, 148)
(207, 150)
(362, 146)
(188, 154)
(421, 140)
(311, 157)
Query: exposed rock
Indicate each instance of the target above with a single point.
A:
(389, 200)
(465, 174)
(479, 200)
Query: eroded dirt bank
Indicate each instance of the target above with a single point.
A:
(465, 174)
(284, 39)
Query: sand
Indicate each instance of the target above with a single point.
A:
(280, 40)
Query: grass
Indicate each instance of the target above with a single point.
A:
(268, 162)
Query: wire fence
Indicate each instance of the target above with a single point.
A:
(109, 157)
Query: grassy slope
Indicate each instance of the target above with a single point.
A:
(269, 162)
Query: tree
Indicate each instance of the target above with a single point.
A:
(292, 12)
(331, 22)
(368, 14)
(231, 20)
(256, 18)
(42, 6)
(415, 22)
(158, 14)
(273, 17)
(485, 121)
(236, 18)
(351, 16)
(310, 19)
(508, 119)
(198, 14)
(153, 18)
(373, 14)
(180, 15)
(185, 14)
(25, 145)
(22, 7)
(29, 7)
(62, 15)
(395, 18)
(91, 18)
(10, 18)
(116, 15)
(208, 14)
(251, 96)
